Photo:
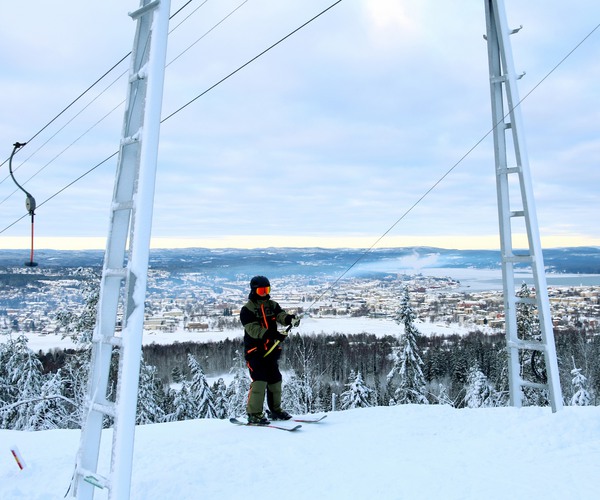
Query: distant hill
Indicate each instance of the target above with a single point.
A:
(317, 261)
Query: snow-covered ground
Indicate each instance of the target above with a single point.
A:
(403, 452)
(316, 326)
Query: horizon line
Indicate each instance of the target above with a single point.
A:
(247, 242)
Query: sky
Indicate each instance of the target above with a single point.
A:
(369, 126)
(408, 451)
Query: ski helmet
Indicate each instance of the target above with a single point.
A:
(259, 281)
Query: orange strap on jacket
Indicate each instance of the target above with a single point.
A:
(262, 308)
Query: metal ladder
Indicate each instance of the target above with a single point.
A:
(517, 215)
(124, 275)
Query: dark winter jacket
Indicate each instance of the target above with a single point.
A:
(259, 316)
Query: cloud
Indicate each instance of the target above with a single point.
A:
(337, 132)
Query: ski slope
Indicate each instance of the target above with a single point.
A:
(403, 452)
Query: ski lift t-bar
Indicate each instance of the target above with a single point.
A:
(29, 201)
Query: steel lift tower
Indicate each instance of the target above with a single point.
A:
(517, 216)
(124, 275)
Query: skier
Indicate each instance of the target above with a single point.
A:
(262, 340)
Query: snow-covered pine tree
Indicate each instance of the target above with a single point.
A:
(304, 355)
(22, 382)
(52, 409)
(200, 391)
(581, 395)
(406, 375)
(479, 391)
(150, 396)
(292, 396)
(237, 391)
(183, 404)
(80, 326)
(532, 362)
(358, 394)
(176, 375)
(219, 390)
(74, 379)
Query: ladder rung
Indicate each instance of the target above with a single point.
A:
(526, 300)
(532, 345)
(122, 205)
(517, 213)
(115, 341)
(517, 258)
(120, 272)
(535, 385)
(105, 408)
(93, 478)
(140, 75)
(131, 139)
(142, 10)
(509, 170)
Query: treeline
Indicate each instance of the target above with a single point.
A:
(332, 358)
(323, 373)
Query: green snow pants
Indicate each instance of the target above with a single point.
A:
(256, 397)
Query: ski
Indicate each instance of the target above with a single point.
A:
(308, 420)
(304, 420)
(272, 426)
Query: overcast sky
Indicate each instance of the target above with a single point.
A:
(326, 140)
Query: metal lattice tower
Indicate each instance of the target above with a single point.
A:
(517, 217)
(124, 275)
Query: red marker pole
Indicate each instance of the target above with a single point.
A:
(18, 458)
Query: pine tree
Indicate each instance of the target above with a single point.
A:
(237, 391)
(219, 390)
(406, 374)
(200, 392)
(479, 391)
(581, 396)
(532, 363)
(52, 410)
(292, 396)
(183, 404)
(176, 375)
(358, 394)
(150, 396)
(304, 354)
(22, 381)
(74, 380)
(80, 326)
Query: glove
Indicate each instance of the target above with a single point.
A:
(292, 320)
(281, 336)
(273, 334)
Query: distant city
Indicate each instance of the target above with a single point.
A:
(203, 289)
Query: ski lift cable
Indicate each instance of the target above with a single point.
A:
(61, 129)
(98, 80)
(206, 33)
(369, 249)
(461, 159)
(106, 89)
(250, 61)
(66, 148)
(181, 108)
(173, 60)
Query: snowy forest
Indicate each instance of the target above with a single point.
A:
(321, 373)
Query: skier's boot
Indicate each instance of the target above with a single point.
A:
(258, 419)
(279, 415)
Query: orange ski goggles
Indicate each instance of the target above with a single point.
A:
(263, 290)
